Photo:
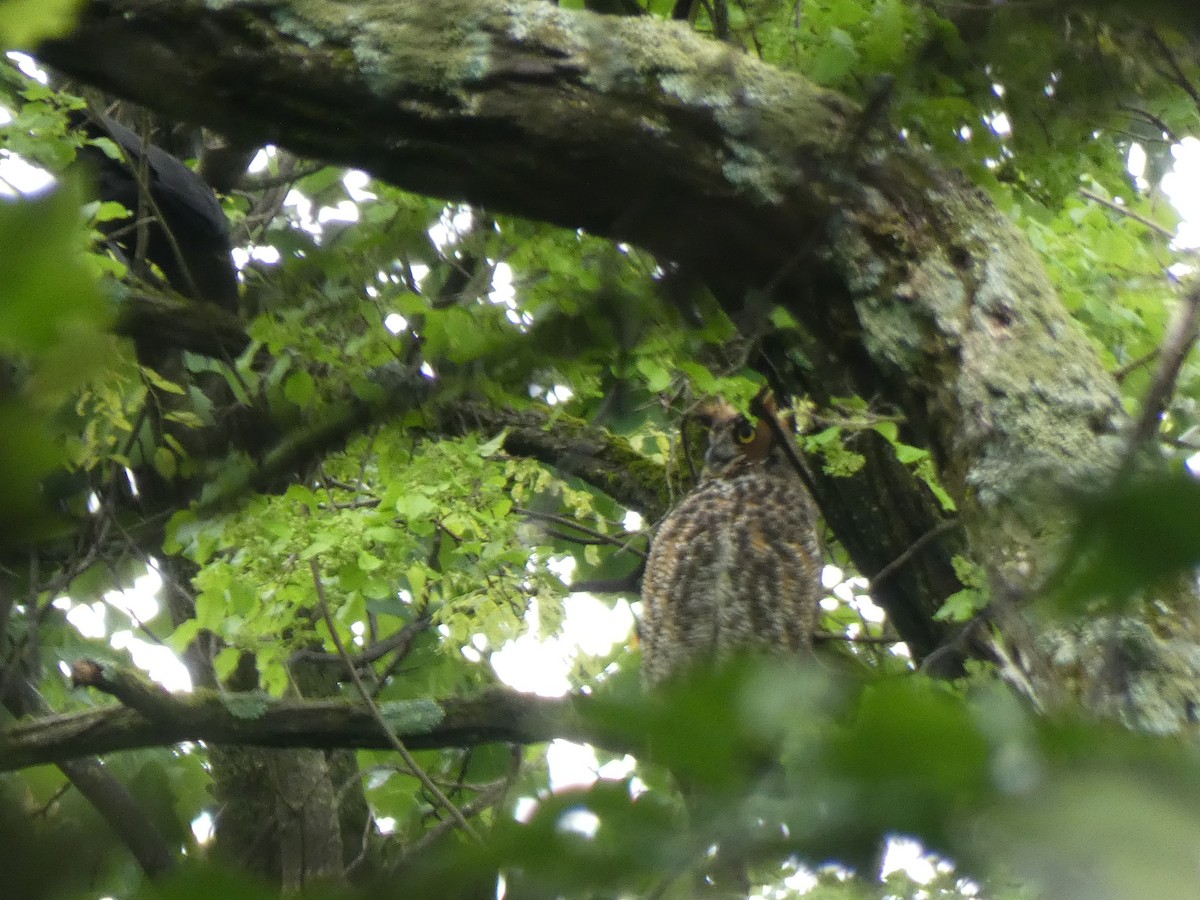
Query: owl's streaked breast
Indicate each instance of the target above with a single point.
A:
(734, 567)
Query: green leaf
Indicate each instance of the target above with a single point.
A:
(834, 59)
(299, 493)
(960, 606)
(161, 383)
(300, 388)
(25, 23)
(890, 431)
(417, 576)
(368, 562)
(45, 289)
(937, 761)
(657, 377)
(108, 211)
(225, 662)
(702, 380)
(321, 543)
(246, 704)
(831, 435)
(183, 635)
(414, 506)
(29, 452)
(492, 447)
(165, 463)
(1138, 536)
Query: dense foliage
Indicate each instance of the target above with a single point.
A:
(380, 481)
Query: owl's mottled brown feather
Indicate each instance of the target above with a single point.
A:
(736, 565)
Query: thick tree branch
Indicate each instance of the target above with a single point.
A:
(152, 717)
(160, 320)
(477, 101)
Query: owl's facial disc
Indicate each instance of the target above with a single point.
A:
(734, 442)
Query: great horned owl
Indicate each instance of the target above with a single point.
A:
(736, 565)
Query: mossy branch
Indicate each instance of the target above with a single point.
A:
(152, 717)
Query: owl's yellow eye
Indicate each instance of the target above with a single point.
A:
(744, 432)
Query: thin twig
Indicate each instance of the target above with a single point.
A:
(400, 640)
(857, 638)
(1154, 120)
(490, 797)
(1134, 364)
(140, 171)
(686, 444)
(1176, 345)
(890, 569)
(330, 481)
(362, 503)
(80, 562)
(1177, 74)
(857, 423)
(596, 537)
(393, 738)
(629, 583)
(1128, 213)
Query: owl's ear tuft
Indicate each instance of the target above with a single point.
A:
(764, 405)
(714, 412)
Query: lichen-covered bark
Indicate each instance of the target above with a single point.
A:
(968, 336)
(620, 126)
(761, 184)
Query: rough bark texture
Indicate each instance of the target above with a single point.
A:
(761, 184)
